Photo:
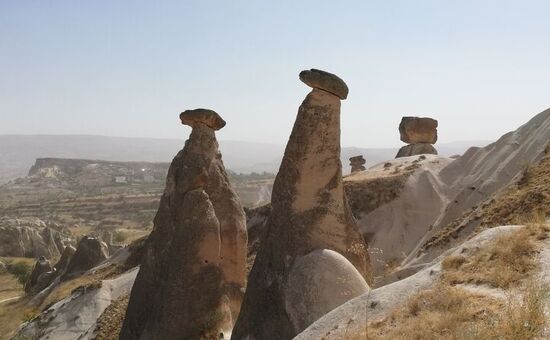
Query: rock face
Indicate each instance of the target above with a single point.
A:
(309, 212)
(420, 134)
(190, 281)
(318, 283)
(357, 163)
(30, 237)
(418, 130)
(41, 267)
(63, 263)
(90, 252)
(416, 149)
(325, 81)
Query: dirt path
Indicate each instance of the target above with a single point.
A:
(10, 299)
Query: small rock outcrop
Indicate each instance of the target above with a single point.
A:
(420, 133)
(63, 263)
(309, 213)
(357, 163)
(41, 267)
(89, 252)
(193, 271)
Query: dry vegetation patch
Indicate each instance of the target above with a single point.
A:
(448, 311)
(501, 264)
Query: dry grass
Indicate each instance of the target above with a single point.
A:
(438, 313)
(522, 318)
(502, 263)
(450, 312)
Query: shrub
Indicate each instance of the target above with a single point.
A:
(21, 271)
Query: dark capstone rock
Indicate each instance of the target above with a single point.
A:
(329, 82)
(204, 116)
(415, 130)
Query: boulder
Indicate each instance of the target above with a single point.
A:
(416, 149)
(90, 252)
(329, 82)
(357, 163)
(318, 283)
(193, 269)
(418, 130)
(41, 266)
(309, 212)
(204, 116)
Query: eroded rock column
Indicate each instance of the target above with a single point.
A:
(194, 267)
(309, 213)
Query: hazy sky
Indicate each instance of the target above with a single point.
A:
(127, 68)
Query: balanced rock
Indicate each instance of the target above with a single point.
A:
(357, 163)
(193, 269)
(329, 82)
(318, 283)
(309, 212)
(204, 116)
(416, 149)
(41, 266)
(90, 252)
(418, 130)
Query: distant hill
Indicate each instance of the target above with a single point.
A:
(19, 152)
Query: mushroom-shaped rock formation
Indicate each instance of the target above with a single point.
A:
(193, 271)
(309, 212)
(318, 283)
(420, 133)
(90, 252)
(204, 116)
(329, 82)
(357, 163)
(41, 266)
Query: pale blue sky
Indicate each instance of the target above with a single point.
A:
(127, 68)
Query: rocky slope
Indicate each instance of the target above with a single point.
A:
(32, 237)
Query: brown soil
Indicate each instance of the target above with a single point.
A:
(110, 322)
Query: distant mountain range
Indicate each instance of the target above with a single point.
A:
(19, 152)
